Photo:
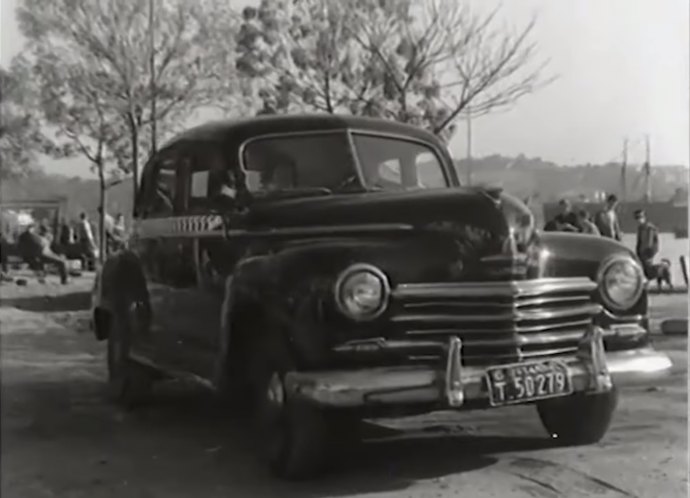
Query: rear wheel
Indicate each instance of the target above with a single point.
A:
(578, 419)
(129, 383)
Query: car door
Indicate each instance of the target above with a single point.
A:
(206, 257)
(154, 242)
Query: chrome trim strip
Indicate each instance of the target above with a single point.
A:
(622, 319)
(548, 314)
(171, 372)
(549, 338)
(514, 288)
(512, 329)
(380, 344)
(322, 230)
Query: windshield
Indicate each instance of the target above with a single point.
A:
(395, 164)
(327, 163)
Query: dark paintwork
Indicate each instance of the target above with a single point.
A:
(273, 277)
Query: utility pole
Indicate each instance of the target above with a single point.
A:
(647, 172)
(624, 182)
(469, 148)
(152, 81)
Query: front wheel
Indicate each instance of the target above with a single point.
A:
(578, 419)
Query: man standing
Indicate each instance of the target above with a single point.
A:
(565, 221)
(4, 249)
(585, 224)
(35, 250)
(87, 243)
(647, 242)
(607, 219)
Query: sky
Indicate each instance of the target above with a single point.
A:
(623, 71)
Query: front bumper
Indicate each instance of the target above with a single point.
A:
(591, 369)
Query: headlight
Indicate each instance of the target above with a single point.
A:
(621, 281)
(362, 292)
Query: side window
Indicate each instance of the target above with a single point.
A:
(199, 185)
(158, 193)
(164, 186)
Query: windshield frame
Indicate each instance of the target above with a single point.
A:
(450, 179)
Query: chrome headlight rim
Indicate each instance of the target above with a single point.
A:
(605, 266)
(348, 273)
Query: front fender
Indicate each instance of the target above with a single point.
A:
(571, 255)
(577, 255)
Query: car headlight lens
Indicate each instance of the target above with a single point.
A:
(621, 281)
(362, 292)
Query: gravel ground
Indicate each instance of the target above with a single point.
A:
(60, 438)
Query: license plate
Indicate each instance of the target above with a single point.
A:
(525, 382)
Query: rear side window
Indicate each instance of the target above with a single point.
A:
(158, 193)
(199, 184)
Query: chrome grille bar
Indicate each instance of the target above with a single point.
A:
(514, 288)
(527, 315)
(497, 321)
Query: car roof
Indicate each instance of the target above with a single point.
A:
(237, 131)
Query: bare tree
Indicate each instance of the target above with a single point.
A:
(121, 38)
(81, 118)
(442, 59)
(423, 62)
(21, 137)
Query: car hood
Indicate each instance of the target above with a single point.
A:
(481, 222)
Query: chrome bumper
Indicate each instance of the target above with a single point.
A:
(591, 370)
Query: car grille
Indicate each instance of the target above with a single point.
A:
(498, 322)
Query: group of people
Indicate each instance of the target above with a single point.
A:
(606, 224)
(38, 245)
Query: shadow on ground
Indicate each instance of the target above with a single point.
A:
(182, 433)
(74, 301)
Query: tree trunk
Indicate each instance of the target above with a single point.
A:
(134, 137)
(101, 215)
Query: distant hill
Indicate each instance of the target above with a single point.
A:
(545, 181)
(534, 178)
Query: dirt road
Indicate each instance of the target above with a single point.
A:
(60, 438)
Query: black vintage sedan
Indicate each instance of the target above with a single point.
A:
(321, 269)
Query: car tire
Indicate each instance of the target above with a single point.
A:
(579, 419)
(293, 435)
(129, 383)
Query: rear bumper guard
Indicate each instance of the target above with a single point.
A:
(591, 370)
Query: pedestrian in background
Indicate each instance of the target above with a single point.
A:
(565, 221)
(4, 249)
(585, 223)
(36, 252)
(88, 247)
(607, 219)
(647, 246)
